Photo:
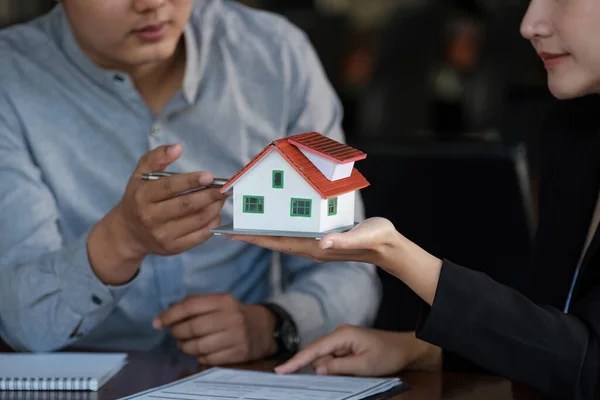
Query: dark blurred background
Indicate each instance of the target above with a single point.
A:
(448, 102)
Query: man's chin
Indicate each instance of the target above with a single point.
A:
(156, 54)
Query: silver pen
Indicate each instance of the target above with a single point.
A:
(152, 176)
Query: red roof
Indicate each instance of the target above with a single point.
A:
(326, 147)
(306, 169)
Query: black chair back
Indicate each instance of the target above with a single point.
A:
(467, 202)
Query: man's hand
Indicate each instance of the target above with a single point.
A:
(358, 351)
(154, 217)
(219, 330)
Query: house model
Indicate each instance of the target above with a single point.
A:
(302, 185)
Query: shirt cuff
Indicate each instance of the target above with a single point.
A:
(83, 291)
(306, 312)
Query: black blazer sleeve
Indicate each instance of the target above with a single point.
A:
(502, 331)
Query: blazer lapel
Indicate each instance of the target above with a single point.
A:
(589, 275)
(571, 181)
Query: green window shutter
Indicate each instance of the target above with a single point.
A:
(254, 204)
(301, 208)
(332, 206)
(278, 179)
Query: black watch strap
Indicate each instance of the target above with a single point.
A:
(286, 332)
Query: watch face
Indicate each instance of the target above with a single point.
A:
(289, 337)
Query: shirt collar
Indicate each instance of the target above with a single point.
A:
(107, 77)
(193, 72)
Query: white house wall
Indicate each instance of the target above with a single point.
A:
(342, 171)
(258, 182)
(332, 170)
(345, 213)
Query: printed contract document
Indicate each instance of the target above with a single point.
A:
(231, 384)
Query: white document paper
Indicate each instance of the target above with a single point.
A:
(231, 384)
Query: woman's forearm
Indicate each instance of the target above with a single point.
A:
(418, 269)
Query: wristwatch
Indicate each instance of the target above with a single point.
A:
(286, 332)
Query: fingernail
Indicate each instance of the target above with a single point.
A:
(327, 244)
(205, 179)
(157, 324)
(171, 150)
(321, 371)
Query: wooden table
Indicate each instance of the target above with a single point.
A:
(147, 370)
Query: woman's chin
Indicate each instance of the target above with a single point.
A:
(564, 90)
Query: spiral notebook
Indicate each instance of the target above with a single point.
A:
(58, 371)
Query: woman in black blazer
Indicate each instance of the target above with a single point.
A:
(548, 337)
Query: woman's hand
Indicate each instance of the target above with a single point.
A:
(352, 350)
(374, 241)
(369, 241)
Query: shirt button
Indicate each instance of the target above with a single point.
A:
(97, 300)
(119, 79)
(155, 131)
